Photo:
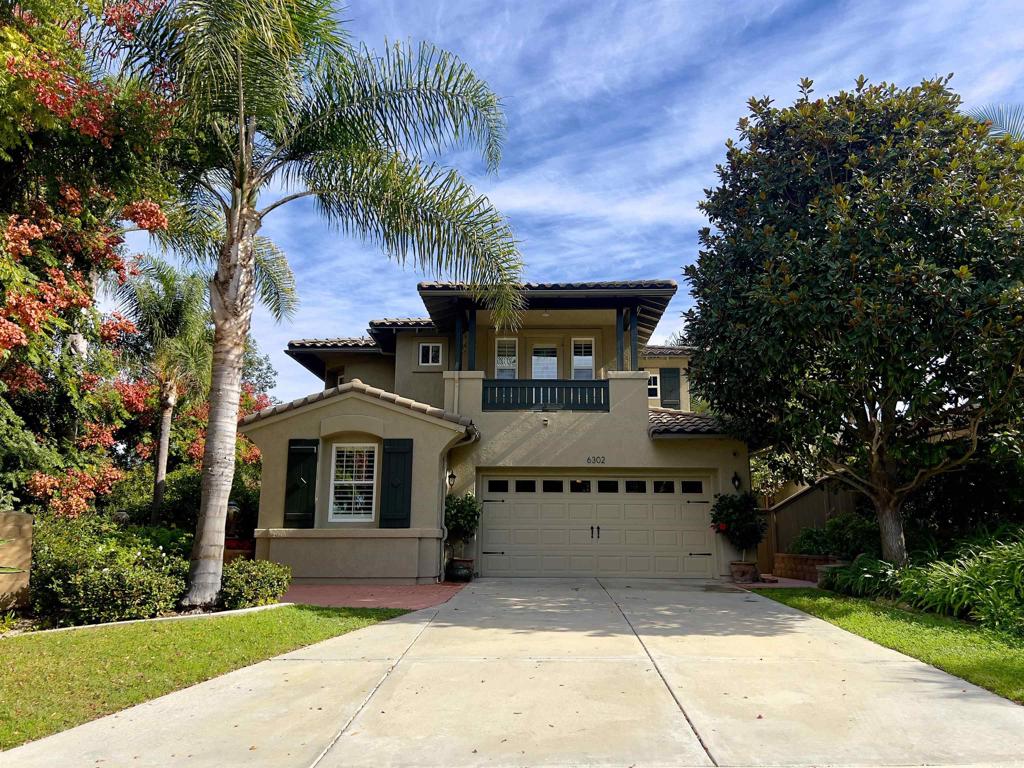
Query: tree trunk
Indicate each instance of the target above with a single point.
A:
(231, 299)
(168, 399)
(890, 523)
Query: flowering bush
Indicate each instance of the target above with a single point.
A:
(737, 517)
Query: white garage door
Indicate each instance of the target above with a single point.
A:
(583, 525)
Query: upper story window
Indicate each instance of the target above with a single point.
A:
(653, 385)
(506, 359)
(544, 360)
(353, 483)
(430, 353)
(583, 358)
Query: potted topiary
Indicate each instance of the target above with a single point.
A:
(461, 517)
(737, 517)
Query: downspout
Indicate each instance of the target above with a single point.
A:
(471, 436)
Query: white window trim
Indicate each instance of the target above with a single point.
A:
(546, 345)
(497, 341)
(440, 354)
(657, 385)
(331, 517)
(593, 357)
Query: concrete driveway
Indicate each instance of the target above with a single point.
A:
(560, 672)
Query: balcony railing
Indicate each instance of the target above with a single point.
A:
(545, 395)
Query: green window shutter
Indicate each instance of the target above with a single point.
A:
(670, 388)
(300, 484)
(396, 484)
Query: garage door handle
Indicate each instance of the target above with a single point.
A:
(700, 554)
(494, 501)
(485, 552)
(599, 531)
(591, 531)
(689, 501)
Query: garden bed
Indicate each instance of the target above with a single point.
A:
(51, 681)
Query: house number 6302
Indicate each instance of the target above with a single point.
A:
(595, 459)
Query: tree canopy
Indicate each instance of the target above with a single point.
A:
(858, 296)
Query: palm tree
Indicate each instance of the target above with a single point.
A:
(1003, 119)
(169, 307)
(279, 105)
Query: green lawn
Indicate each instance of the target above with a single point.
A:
(985, 658)
(56, 680)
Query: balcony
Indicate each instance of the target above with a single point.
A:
(545, 395)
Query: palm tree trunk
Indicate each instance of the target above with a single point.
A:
(231, 298)
(168, 399)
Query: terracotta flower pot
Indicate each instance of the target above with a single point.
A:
(743, 572)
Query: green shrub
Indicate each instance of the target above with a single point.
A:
(462, 516)
(844, 536)
(737, 517)
(983, 582)
(864, 577)
(810, 541)
(91, 570)
(247, 583)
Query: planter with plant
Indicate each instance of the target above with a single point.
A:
(737, 517)
(461, 518)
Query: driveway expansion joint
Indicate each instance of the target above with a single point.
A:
(661, 674)
(372, 693)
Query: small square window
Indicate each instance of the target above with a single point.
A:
(579, 486)
(664, 486)
(553, 486)
(607, 486)
(636, 486)
(526, 486)
(653, 389)
(691, 486)
(430, 354)
(497, 486)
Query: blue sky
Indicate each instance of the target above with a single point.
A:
(617, 113)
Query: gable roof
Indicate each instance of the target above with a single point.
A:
(358, 387)
(359, 342)
(668, 423)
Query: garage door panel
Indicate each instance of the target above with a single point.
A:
(637, 537)
(538, 533)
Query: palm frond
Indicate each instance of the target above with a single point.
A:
(275, 281)
(428, 213)
(1003, 119)
(407, 101)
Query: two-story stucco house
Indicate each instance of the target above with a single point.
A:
(573, 431)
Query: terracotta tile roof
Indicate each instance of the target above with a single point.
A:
(593, 285)
(668, 423)
(361, 342)
(655, 350)
(357, 386)
(402, 322)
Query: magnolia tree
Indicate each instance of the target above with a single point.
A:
(859, 296)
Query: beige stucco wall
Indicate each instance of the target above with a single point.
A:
(557, 442)
(412, 380)
(376, 369)
(16, 529)
(655, 364)
(354, 550)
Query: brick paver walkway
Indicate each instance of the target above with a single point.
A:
(413, 597)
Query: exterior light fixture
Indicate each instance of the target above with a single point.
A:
(451, 479)
(736, 482)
